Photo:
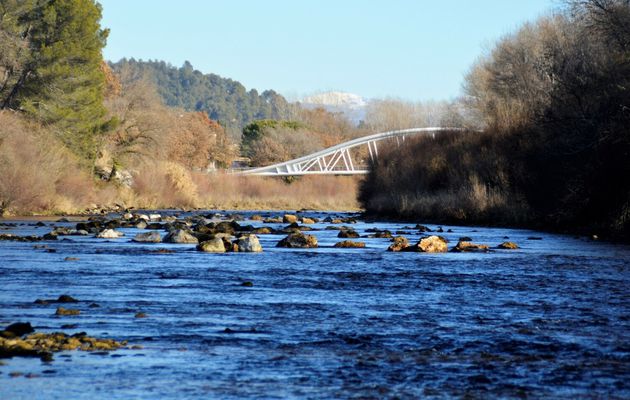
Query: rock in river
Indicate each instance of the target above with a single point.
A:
(432, 244)
(508, 246)
(180, 236)
(289, 218)
(249, 243)
(141, 224)
(43, 344)
(67, 311)
(465, 246)
(399, 243)
(148, 237)
(298, 240)
(214, 245)
(349, 244)
(17, 329)
(66, 298)
(263, 231)
(109, 234)
(348, 234)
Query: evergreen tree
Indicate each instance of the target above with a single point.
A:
(61, 82)
(14, 46)
(224, 100)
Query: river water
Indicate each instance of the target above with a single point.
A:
(549, 320)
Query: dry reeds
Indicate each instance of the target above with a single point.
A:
(167, 185)
(228, 191)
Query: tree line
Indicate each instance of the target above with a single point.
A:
(224, 100)
(553, 99)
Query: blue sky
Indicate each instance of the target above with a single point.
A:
(413, 50)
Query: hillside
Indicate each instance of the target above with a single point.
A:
(223, 99)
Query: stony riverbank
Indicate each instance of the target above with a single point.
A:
(219, 233)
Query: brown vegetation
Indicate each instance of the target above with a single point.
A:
(456, 176)
(250, 192)
(554, 100)
(38, 174)
(148, 130)
(267, 142)
(164, 152)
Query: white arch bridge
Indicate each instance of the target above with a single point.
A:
(337, 160)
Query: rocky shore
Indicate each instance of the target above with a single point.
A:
(21, 340)
(221, 233)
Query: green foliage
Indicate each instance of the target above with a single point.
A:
(60, 81)
(223, 99)
(14, 47)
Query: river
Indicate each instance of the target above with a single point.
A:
(551, 319)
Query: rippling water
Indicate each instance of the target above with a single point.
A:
(549, 320)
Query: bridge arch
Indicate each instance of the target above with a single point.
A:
(337, 160)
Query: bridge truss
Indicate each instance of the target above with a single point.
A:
(337, 160)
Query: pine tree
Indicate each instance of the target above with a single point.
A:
(14, 49)
(61, 84)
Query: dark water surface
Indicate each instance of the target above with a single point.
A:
(549, 320)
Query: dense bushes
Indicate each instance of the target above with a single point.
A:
(456, 176)
(555, 99)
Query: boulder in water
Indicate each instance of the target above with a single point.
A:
(66, 298)
(399, 243)
(348, 234)
(148, 237)
(249, 244)
(349, 244)
(67, 311)
(109, 234)
(298, 240)
(431, 244)
(383, 234)
(289, 218)
(140, 224)
(464, 247)
(263, 231)
(180, 236)
(17, 329)
(214, 245)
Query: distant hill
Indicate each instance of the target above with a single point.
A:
(225, 100)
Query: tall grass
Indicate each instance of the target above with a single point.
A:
(227, 191)
(168, 185)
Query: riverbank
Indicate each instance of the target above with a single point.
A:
(593, 233)
(495, 178)
(194, 191)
